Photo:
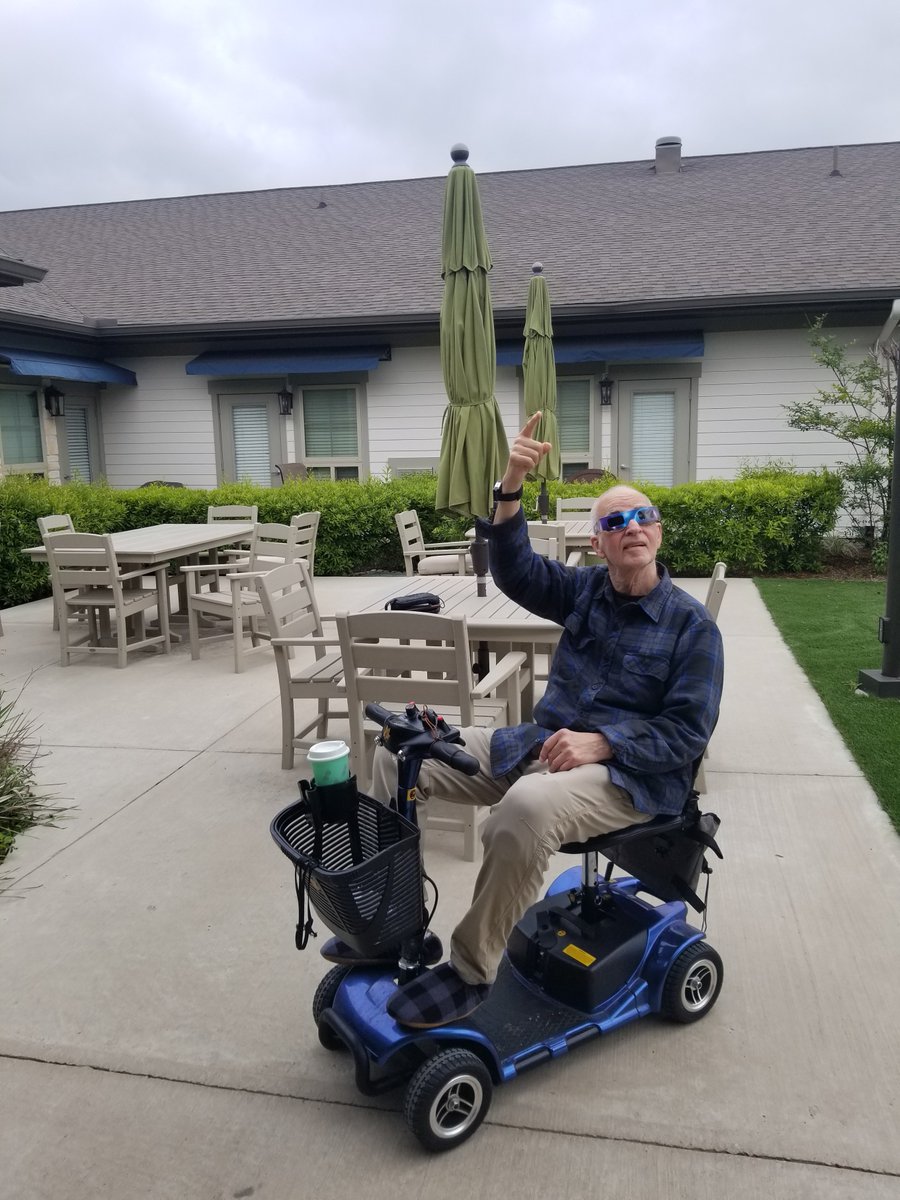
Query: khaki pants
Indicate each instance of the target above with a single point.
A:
(533, 812)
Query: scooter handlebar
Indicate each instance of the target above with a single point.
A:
(455, 757)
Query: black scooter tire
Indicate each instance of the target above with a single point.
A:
(693, 984)
(324, 998)
(447, 1099)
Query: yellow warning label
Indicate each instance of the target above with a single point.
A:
(579, 955)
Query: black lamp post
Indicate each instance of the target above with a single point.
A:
(55, 401)
(886, 682)
(285, 401)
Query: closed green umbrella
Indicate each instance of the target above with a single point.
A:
(474, 450)
(539, 369)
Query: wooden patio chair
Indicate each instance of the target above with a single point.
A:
(86, 577)
(292, 470)
(549, 540)
(292, 616)
(574, 508)
(271, 545)
(429, 558)
(227, 512)
(397, 657)
(714, 593)
(55, 523)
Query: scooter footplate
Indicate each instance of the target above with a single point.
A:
(515, 1016)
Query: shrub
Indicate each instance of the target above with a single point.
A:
(764, 523)
(21, 804)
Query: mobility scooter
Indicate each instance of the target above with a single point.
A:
(594, 954)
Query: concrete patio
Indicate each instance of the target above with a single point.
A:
(155, 1030)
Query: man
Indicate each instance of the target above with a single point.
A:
(631, 701)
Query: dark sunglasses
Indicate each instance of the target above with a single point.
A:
(617, 521)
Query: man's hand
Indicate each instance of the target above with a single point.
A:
(524, 455)
(566, 749)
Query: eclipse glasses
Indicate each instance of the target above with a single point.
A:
(615, 522)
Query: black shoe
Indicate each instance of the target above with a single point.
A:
(337, 951)
(436, 997)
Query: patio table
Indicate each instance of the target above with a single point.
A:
(578, 533)
(155, 544)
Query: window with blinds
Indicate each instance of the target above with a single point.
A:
(331, 432)
(252, 453)
(20, 429)
(653, 437)
(573, 415)
(78, 448)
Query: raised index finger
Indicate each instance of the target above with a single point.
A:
(530, 425)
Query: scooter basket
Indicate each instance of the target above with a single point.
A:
(363, 876)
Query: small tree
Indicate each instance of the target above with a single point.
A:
(858, 409)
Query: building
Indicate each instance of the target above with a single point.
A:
(208, 338)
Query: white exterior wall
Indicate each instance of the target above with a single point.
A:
(746, 381)
(406, 402)
(161, 429)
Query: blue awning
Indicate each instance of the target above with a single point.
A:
(289, 362)
(628, 347)
(64, 366)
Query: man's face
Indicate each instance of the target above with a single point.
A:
(633, 547)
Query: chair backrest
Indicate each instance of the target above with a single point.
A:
(56, 523)
(232, 512)
(411, 539)
(270, 541)
(294, 470)
(79, 560)
(381, 651)
(306, 526)
(716, 590)
(289, 603)
(548, 539)
(574, 508)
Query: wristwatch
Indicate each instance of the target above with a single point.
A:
(499, 493)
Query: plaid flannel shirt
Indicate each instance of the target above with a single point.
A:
(646, 674)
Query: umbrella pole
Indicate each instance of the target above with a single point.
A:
(543, 502)
(480, 563)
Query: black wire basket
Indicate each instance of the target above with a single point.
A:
(362, 875)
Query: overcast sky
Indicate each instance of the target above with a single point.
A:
(123, 99)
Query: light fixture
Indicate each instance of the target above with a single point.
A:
(55, 401)
(285, 401)
(606, 387)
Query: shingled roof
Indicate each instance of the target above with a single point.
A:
(614, 238)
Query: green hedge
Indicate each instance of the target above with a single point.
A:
(757, 526)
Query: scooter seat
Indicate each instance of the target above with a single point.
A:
(629, 833)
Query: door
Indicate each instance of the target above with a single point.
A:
(79, 445)
(654, 431)
(250, 437)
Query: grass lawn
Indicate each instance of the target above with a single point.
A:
(832, 628)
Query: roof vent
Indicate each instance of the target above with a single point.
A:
(835, 169)
(668, 155)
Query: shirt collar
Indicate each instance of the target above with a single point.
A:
(654, 602)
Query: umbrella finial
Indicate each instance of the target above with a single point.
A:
(459, 153)
(537, 268)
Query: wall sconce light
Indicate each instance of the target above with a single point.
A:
(285, 402)
(606, 387)
(55, 401)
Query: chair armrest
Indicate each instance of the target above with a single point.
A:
(509, 665)
(241, 575)
(575, 558)
(206, 568)
(139, 572)
(436, 546)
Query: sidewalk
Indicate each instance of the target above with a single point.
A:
(155, 1030)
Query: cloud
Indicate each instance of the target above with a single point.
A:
(153, 98)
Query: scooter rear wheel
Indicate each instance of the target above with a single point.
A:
(324, 998)
(693, 984)
(447, 1099)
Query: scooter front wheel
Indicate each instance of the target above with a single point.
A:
(324, 998)
(447, 1099)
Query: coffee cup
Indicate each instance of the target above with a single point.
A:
(330, 762)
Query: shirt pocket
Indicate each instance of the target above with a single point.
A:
(644, 678)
